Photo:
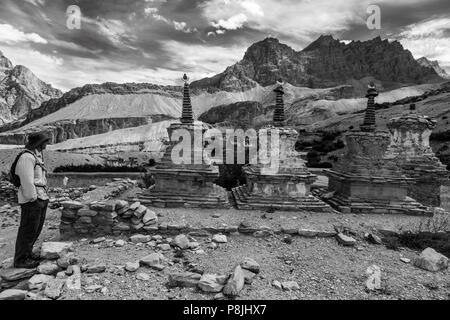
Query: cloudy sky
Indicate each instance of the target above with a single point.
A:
(158, 40)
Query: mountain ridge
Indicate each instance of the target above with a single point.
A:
(326, 62)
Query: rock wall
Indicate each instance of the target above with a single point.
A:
(72, 129)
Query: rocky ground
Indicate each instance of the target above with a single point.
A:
(322, 268)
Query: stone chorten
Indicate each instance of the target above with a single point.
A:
(410, 148)
(366, 179)
(286, 188)
(188, 184)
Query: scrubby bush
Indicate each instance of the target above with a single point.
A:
(97, 168)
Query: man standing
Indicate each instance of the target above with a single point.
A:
(33, 199)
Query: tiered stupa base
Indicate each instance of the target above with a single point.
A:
(185, 188)
(189, 185)
(372, 195)
(283, 191)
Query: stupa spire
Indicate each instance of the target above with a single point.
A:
(278, 114)
(369, 123)
(186, 114)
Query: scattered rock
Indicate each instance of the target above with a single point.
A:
(373, 238)
(140, 211)
(139, 238)
(132, 266)
(13, 294)
(55, 250)
(235, 283)
(345, 240)
(277, 284)
(72, 205)
(210, 283)
(53, 288)
(248, 276)
(219, 296)
(374, 278)
(251, 265)
(290, 285)
(287, 239)
(220, 238)
(48, 268)
(74, 281)
(93, 288)
(149, 218)
(98, 240)
(307, 233)
(184, 279)
(164, 246)
(143, 276)
(405, 260)
(119, 243)
(212, 245)
(16, 274)
(152, 259)
(431, 260)
(181, 241)
(38, 282)
(193, 245)
(96, 268)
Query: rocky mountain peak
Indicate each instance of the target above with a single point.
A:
(21, 91)
(323, 41)
(267, 50)
(5, 63)
(434, 65)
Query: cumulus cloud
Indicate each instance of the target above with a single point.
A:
(178, 25)
(10, 35)
(233, 23)
(429, 38)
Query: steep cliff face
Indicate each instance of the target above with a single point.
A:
(21, 91)
(61, 131)
(241, 114)
(435, 65)
(326, 62)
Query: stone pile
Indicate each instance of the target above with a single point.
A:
(222, 285)
(59, 195)
(8, 193)
(106, 217)
(44, 282)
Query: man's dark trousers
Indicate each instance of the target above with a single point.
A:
(31, 222)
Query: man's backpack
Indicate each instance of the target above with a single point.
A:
(13, 177)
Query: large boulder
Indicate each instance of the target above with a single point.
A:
(235, 283)
(431, 260)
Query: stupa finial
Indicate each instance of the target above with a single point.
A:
(186, 114)
(369, 123)
(278, 114)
